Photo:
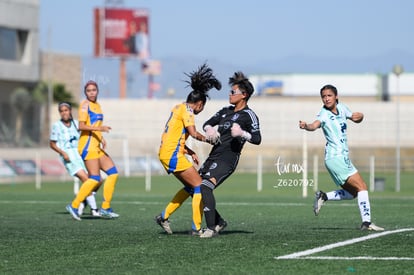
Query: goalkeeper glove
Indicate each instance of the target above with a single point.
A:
(212, 135)
(237, 131)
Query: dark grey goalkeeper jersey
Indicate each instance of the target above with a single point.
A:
(230, 147)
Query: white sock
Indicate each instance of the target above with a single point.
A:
(338, 195)
(91, 200)
(364, 206)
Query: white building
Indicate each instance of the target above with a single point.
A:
(19, 69)
(355, 85)
(19, 45)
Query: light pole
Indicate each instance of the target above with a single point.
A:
(49, 80)
(398, 70)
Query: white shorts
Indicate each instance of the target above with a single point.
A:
(76, 163)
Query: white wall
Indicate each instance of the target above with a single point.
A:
(142, 121)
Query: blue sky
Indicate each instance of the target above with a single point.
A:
(245, 32)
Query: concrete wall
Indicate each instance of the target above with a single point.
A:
(62, 68)
(137, 126)
(141, 122)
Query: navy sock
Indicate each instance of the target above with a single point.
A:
(209, 203)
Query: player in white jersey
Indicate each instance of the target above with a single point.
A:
(64, 140)
(333, 120)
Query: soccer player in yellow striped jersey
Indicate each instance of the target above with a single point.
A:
(91, 147)
(89, 141)
(173, 149)
(180, 125)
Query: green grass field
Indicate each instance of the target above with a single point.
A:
(39, 237)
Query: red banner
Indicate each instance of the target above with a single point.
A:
(121, 32)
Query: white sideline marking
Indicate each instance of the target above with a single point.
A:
(159, 202)
(357, 258)
(339, 244)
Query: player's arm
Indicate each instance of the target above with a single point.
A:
(357, 117)
(195, 134)
(212, 135)
(254, 130)
(214, 120)
(252, 136)
(256, 137)
(103, 143)
(53, 145)
(84, 127)
(191, 153)
(83, 117)
(309, 126)
(248, 129)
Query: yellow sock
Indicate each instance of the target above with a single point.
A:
(108, 191)
(197, 207)
(176, 202)
(84, 191)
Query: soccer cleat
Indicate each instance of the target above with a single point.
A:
(108, 213)
(220, 227)
(80, 208)
(196, 232)
(370, 227)
(165, 224)
(73, 212)
(209, 233)
(95, 213)
(320, 198)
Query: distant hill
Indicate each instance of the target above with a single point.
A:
(171, 80)
(381, 64)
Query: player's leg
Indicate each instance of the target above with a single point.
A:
(86, 188)
(174, 204)
(179, 198)
(90, 200)
(191, 178)
(209, 202)
(339, 168)
(220, 223)
(109, 168)
(214, 173)
(356, 184)
(173, 165)
(197, 207)
(338, 195)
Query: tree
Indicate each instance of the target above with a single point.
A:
(40, 95)
(61, 94)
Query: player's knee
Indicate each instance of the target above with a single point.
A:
(111, 171)
(95, 177)
(189, 190)
(197, 190)
(207, 184)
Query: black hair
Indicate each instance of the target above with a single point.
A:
(330, 87)
(64, 103)
(201, 81)
(67, 104)
(243, 83)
